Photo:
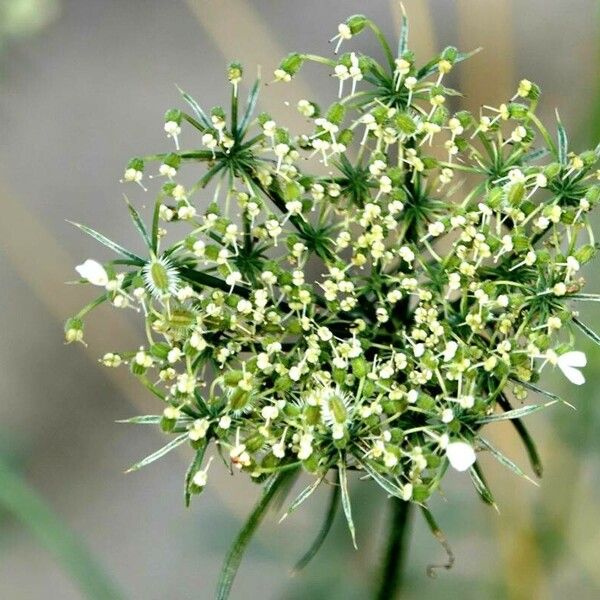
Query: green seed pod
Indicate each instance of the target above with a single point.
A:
(137, 369)
(336, 113)
(516, 193)
(270, 461)
(339, 375)
(311, 464)
(405, 123)
(167, 425)
(239, 399)
(360, 367)
(173, 114)
(420, 493)
(552, 170)
(255, 443)
(232, 378)
(292, 63)
(585, 253)
(234, 72)
(356, 23)
(283, 384)
(312, 414)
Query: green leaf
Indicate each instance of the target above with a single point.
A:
(109, 243)
(250, 106)
(563, 144)
(155, 226)
(584, 297)
(142, 420)
(93, 304)
(235, 554)
(530, 447)
(585, 329)
(481, 485)
(441, 538)
(202, 278)
(431, 66)
(196, 108)
(535, 388)
(516, 413)
(346, 501)
(192, 469)
(159, 453)
(391, 488)
(302, 496)
(403, 40)
(534, 155)
(139, 224)
(504, 460)
(19, 499)
(325, 528)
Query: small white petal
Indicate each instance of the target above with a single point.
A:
(572, 374)
(575, 358)
(461, 455)
(93, 271)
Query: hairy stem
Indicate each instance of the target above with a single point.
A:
(390, 581)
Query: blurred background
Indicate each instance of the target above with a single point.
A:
(83, 87)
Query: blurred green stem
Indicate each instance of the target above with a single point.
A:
(390, 581)
(19, 499)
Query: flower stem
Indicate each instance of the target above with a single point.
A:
(390, 581)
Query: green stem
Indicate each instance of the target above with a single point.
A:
(391, 574)
(18, 498)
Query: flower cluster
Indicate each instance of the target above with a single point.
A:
(364, 295)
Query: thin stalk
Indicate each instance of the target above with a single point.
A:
(390, 581)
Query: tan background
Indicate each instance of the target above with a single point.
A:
(83, 87)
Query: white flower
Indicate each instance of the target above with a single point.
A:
(569, 362)
(93, 271)
(461, 455)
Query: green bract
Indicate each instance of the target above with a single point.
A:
(369, 309)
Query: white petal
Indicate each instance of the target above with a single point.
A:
(461, 455)
(573, 375)
(575, 358)
(93, 271)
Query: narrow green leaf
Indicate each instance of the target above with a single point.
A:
(530, 447)
(196, 108)
(504, 460)
(155, 225)
(250, 106)
(90, 306)
(441, 538)
(535, 154)
(431, 66)
(481, 485)
(20, 500)
(139, 224)
(403, 40)
(325, 528)
(563, 144)
(516, 413)
(159, 453)
(346, 501)
(585, 329)
(142, 420)
(391, 488)
(302, 496)
(584, 297)
(535, 388)
(192, 469)
(235, 554)
(201, 278)
(109, 243)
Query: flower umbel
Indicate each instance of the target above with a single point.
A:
(375, 318)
